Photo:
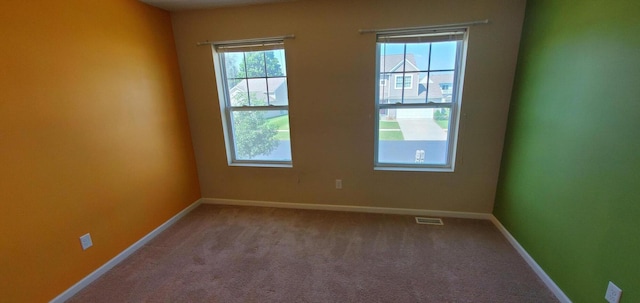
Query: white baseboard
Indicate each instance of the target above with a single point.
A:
(123, 255)
(351, 208)
(532, 263)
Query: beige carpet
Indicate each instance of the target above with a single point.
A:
(251, 254)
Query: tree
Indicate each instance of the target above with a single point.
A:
(255, 63)
(253, 134)
(441, 114)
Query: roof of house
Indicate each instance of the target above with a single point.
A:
(439, 77)
(391, 63)
(259, 88)
(433, 83)
(259, 85)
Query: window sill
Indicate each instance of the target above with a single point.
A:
(415, 169)
(254, 164)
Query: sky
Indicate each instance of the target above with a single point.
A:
(443, 54)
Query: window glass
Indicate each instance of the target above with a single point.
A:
(255, 103)
(261, 135)
(405, 133)
(417, 120)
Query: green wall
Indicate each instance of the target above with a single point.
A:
(569, 188)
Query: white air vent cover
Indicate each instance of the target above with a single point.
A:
(430, 221)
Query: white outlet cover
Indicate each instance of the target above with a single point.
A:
(85, 241)
(613, 293)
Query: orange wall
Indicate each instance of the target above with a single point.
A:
(331, 82)
(94, 138)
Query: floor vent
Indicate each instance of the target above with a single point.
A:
(430, 221)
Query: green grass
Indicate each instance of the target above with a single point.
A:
(283, 135)
(391, 135)
(444, 124)
(389, 125)
(390, 130)
(282, 125)
(281, 122)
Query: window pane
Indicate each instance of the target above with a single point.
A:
(258, 92)
(422, 82)
(419, 69)
(234, 65)
(413, 136)
(411, 89)
(399, 81)
(253, 79)
(391, 57)
(440, 87)
(238, 93)
(261, 135)
(254, 62)
(385, 88)
(418, 55)
(276, 66)
(443, 55)
(278, 91)
(393, 92)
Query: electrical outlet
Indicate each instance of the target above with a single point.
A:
(86, 242)
(613, 293)
(338, 184)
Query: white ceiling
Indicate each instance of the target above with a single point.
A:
(176, 5)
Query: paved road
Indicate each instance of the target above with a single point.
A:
(405, 151)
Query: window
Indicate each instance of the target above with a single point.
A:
(416, 125)
(403, 82)
(254, 102)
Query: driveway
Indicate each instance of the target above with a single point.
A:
(414, 129)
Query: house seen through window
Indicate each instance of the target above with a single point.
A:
(417, 120)
(254, 102)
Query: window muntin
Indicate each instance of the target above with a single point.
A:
(254, 102)
(416, 125)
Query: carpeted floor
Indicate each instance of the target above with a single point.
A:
(252, 254)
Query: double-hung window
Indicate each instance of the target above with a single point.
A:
(254, 102)
(404, 81)
(417, 119)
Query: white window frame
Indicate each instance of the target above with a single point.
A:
(404, 82)
(453, 106)
(227, 109)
